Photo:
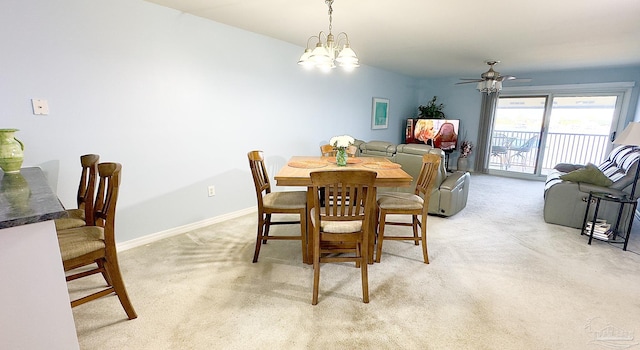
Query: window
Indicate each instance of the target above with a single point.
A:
(536, 128)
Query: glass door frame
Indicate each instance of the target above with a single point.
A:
(622, 90)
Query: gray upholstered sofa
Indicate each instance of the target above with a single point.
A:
(566, 201)
(450, 190)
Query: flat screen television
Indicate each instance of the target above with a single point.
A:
(439, 133)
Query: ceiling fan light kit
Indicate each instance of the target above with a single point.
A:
(489, 86)
(331, 51)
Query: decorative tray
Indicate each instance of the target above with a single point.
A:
(307, 164)
(381, 165)
(350, 160)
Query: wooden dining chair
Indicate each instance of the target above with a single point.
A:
(85, 197)
(415, 204)
(343, 224)
(352, 150)
(96, 244)
(269, 203)
(327, 150)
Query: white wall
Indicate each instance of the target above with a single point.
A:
(178, 100)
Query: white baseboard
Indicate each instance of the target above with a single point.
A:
(137, 242)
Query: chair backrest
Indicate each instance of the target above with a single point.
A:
(259, 174)
(106, 199)
(620, 166)
(327, 150)
(427, 176)
(526, 146)
(355, 199)
(87, 187)
(352, 151)
(502, 140)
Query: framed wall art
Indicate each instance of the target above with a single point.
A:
(380, 113)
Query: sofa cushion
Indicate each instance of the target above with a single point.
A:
(378, 148)
(589, 174)
(413, 148)
(621, 166)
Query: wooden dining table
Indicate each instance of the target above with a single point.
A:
(297, 173)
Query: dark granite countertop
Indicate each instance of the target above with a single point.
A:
(26, 198)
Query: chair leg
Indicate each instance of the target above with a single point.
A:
(104, 271)
(414, 219)
(383, 218)
(364, 270)
(118, 286)
(267, 225)
(303, 233)
(423, 227)
(316, 268)
(261, 225)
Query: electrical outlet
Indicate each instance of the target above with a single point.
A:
(212, 191)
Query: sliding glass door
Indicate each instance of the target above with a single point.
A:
(517, 128)
(531, 134)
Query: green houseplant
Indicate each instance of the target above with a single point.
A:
(432, 110)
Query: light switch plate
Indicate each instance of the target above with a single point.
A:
(40, 106)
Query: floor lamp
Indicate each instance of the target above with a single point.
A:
(631, 136)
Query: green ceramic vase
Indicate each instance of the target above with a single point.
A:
(11, 151)
(341, 156)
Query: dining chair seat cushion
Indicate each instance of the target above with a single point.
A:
(336, 226)
(76, 213)
(285, 200)
(74, 219)
(78, 241)
(400, 200)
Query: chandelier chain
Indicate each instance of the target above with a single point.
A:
(329, 3)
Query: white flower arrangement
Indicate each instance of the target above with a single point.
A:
(343, 141)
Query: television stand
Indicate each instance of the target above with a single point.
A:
(446, 160)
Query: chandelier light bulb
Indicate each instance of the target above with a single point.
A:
(347, 58)
(304, 59)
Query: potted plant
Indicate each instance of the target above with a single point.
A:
(432, 110)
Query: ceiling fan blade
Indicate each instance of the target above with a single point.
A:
(471, 79)
(469, 82)
(523, 80)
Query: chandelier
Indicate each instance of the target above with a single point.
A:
(333, 51)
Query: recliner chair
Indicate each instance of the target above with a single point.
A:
(450, 190)
(565, 202)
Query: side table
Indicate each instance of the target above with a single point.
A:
(619, 235)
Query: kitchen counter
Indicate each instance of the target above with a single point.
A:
(36, 309)
(26, 198)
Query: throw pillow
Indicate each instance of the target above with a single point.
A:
(589, 174)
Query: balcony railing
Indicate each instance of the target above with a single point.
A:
(508, 152)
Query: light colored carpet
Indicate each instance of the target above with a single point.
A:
(499, 278)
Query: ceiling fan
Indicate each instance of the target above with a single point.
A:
(491, 80)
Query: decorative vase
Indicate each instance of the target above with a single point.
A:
(11, 151)
(341, 156)
(15, 189)
(463, 163)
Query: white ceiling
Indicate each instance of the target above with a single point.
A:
(448, 37)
